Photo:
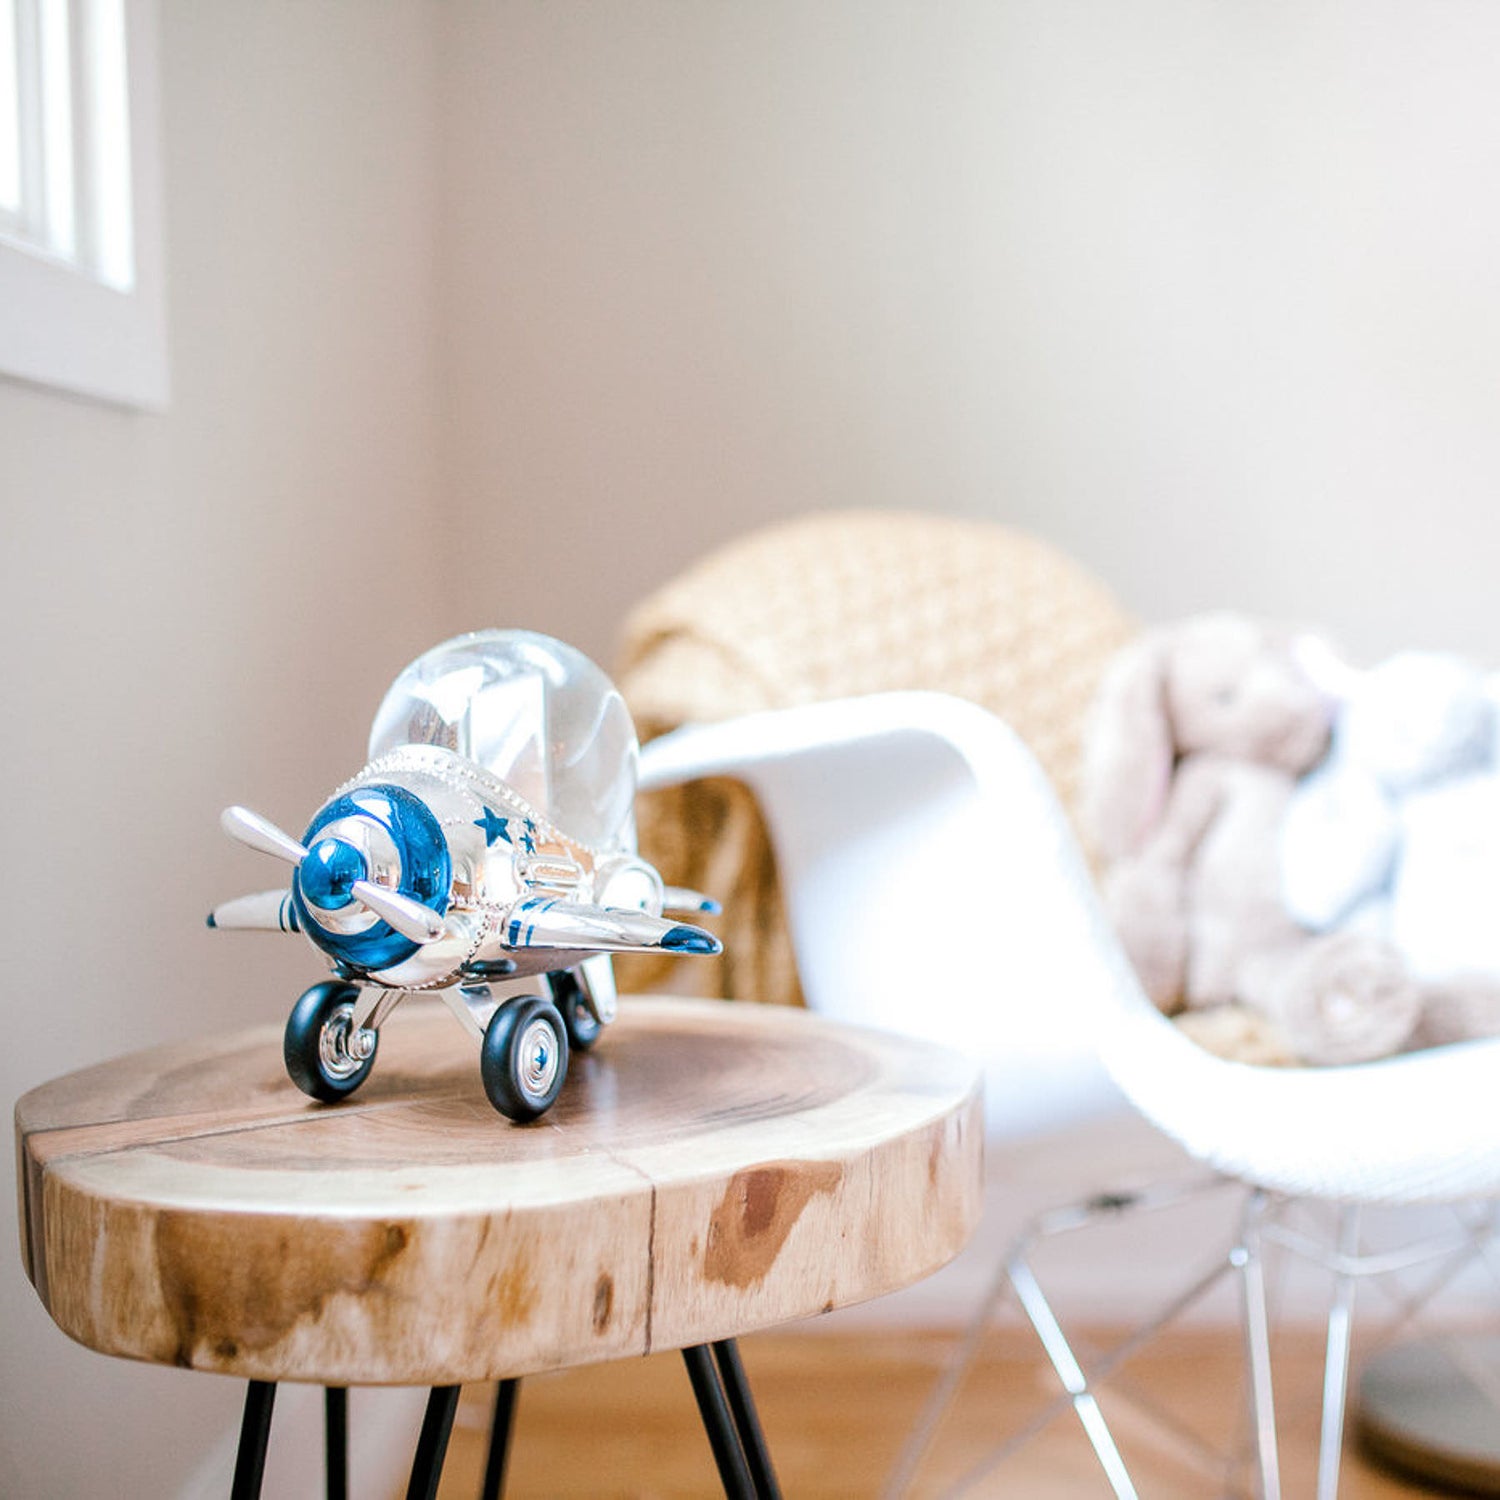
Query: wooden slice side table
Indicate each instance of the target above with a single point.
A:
(711, 1169)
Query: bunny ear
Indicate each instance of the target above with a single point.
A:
(1129, 750)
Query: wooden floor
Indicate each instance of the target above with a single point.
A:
(837, 1407)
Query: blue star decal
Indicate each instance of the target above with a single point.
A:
(495, 827)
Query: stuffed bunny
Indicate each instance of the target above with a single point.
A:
(1199, 735)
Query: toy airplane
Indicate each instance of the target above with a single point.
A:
(442, 866)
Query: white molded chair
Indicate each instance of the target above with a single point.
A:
(934, 887)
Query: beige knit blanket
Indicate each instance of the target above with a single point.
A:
(833, 606)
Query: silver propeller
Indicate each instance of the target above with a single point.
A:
(410, 918)
(418, 923)
(260, 833)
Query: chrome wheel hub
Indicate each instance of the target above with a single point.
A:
(338, 1058)
(538, 1057)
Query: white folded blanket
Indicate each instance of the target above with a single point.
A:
(1445, 905)
(1398, 831)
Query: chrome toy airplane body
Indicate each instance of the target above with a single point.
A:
(430, 871)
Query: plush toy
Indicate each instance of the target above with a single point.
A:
(1200, 733)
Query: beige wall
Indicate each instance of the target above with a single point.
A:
(538, 301)
(1205, 293)
(204, 607)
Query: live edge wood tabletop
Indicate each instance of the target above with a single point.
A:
(710, 1169)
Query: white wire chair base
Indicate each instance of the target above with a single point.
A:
(1252, 1464)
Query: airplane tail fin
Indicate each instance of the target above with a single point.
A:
(679, 898)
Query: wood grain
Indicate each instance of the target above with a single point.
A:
(710, 1169)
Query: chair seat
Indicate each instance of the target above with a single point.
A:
(1422, 1127)
(935, 887)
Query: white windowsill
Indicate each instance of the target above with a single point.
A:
(59, 327)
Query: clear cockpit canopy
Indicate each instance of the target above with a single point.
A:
(531, 710)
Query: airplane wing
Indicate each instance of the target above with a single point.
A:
(265, 911)
(542, 922)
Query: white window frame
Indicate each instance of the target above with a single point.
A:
(62, 324)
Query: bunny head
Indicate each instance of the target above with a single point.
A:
(1221, 684)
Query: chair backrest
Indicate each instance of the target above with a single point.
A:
(933, 887)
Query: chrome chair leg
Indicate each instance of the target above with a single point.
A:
(941, 1398)
(1252, 1267)
(1079, 1386)
(1075, 1382)
(1336, 1358)
(1263, 1224)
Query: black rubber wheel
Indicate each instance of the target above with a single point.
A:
(583, 1026)
(524, 1058)
(316, 1045)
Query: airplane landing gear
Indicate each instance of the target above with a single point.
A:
(318, 1045)
(524, 1058)
(578, 1015)
(525, 1042)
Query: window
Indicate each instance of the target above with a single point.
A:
(80, 265)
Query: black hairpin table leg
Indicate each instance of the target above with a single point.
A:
(746, 1419)
(336, 1442)
(255, 1433)
(729, 1418)
(506, 1395)
(432, 1446)
(729, 1455)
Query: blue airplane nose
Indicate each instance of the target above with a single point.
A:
(327, 875)
(373, 826)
